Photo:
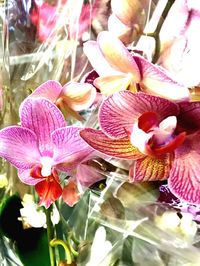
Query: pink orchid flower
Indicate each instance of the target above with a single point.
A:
(71, 98)
(42, 146)
(120, 70)
(179, 43)
(161, 136)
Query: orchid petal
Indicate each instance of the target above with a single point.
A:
(111, 84)
(117, 55)
(70, 193)
(19, 146)
(97, 60)
(128, 11)
(49, 90)
(79, 96)
(184, 178)
(119, 111)
(157, 82)
(48, 191)
(42, 117)
(69, 148)
(150, 169)
(24, 176)
(88, 175)
(119, 148)
(189, 118)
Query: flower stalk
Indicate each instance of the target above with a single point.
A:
(50, 236)
(56, 242)
(156, 33)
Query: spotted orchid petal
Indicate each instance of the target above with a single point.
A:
(79, 96)
(119, 148)
(150, 168)
(70, 193)
(156, 81)
(19, 146)
(119, 111)
(111, 84)
(24, 176)
(117, 55)
(42, 117)
(69, 148)
(189, 118)
(49, 90)
(97, 60)
(184, 178)
(48, 192)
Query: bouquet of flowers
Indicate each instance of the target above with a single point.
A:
(100, 119)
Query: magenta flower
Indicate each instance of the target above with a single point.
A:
(119, 70)
(71, 98)
(42, 146)
(161, 136)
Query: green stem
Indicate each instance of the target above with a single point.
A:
(56, 242)
(156, 33)
(50, 236)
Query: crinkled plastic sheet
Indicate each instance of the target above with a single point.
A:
(132, 227)
(43, 40)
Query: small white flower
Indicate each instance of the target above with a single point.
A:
(100, 248)
(32, 216)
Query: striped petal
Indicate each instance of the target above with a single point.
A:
(189, 118)
(119, 111)
(79, 96)
(184, 178)
(19, 146)
(157, 82)
(117, 55)
(150, 169)
(42, 117)
(49, 90)
(119, 148)
(69, 148)
(24, 176)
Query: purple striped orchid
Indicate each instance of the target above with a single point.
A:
(72, 98)
(120, 70)
(161, 136)
(42, 146)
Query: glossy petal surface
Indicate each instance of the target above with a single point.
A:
(24, 176)
(184, 178)
(119, 111)
(111, 84)
(189, 118)
(70, 193)
(117, 55)
(79, 96)
(119, 148)
(69, 148)
(150, 169)
(97, 60)
(19, 146)
(157, 82)
(48, 192)
(50, 90)
(42, 117)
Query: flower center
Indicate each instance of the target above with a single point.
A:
(154, 138)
